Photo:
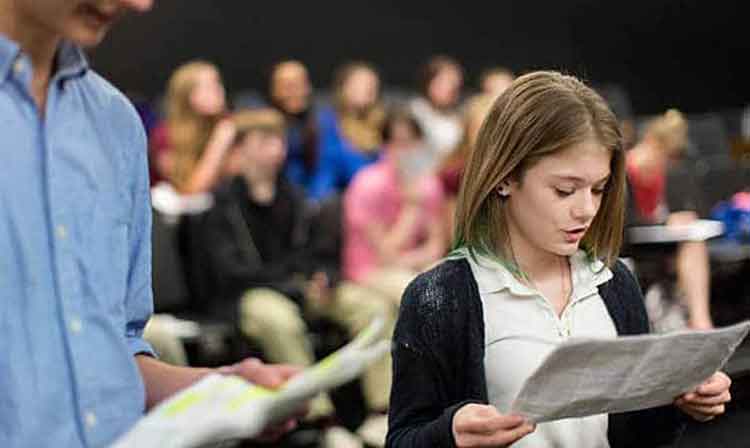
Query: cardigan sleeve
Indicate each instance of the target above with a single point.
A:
(426, 372)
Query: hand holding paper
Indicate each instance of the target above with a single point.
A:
(707, 400)
(483, 425)
(594, 376)
(223, 407)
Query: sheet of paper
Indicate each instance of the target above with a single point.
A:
(584, 377)
(699, 230)
(222, 407)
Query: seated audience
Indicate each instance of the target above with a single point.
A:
(451, 169)
(189, 149)
(495, 80)
(393, 213)
(647, 166)
(436, 109)
(257, 234)
(349, 129)
(290, 91)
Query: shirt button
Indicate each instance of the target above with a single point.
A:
(61, 231)
(76, 325)
(90, 419)
(18, 67)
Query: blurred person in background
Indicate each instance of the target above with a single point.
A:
(393, 212)
(257, 239)
(75, 238)
(349, 129)
(451, 170)
(190, 148)
(437, 108)
(648, 163)
(495, 80)
(290, 92)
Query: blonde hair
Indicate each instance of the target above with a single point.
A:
(670, 130)
(363, 128)
(188, 131)
(541, 113)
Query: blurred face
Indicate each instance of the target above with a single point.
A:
(674, 147)
(360, 90)
(207, 97)
(85, 22)
(290, 88)
(445, 88)
(550, 210)
(264, 152)
(496, 84)
(408, 151)
(403, 137)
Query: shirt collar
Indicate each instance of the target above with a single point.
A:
(493, 276)
(71, 61)
(588, 274)
(9, 52)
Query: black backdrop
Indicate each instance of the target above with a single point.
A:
(690, 54)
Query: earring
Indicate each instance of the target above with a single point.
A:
(503, 192)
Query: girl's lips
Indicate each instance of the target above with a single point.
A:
(574, 235)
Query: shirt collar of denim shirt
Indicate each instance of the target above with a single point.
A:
(9, 53)
(71, 61)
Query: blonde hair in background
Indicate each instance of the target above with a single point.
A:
(670, 130)
(541, 113)
(189, 132)
(361, 128)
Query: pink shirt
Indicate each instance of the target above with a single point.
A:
(375, 196)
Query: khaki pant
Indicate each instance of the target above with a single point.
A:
(390, 283)
(167, 345)
(275, 321)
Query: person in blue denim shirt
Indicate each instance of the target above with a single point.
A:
(75, 223)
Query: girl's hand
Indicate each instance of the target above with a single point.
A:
(708, 400)
(477, 425)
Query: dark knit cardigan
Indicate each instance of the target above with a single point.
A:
(438, 360)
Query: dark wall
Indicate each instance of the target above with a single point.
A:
(686, 54)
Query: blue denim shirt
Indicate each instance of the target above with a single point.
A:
(75, 256)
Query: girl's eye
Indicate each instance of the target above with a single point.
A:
(563, 192)
(598, 191)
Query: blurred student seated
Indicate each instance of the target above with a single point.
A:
(189, 149)
(349, 129)
(648, 164)
(451, 170)
(393, 212)
(290, 91)
(261, 272)
(437, 108)
(495, 80)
